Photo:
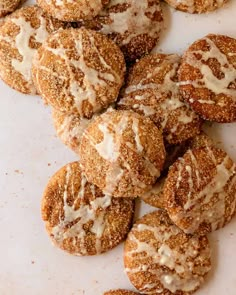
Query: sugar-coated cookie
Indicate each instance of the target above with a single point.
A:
(152, 90)
(155, 196)
(79, 218)
(134, 25)
(200, 190)
(21, 34)
(207, 78)
(122, 153)
(79, 71)
(159, 258)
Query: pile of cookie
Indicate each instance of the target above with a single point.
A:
(135, 123)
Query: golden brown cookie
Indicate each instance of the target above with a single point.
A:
(122, 153)
(207, 78)
(79, 71)
(71, 11)
(120, 292)
(133, 25)
(79, 218)
(21, 34)
(8, 6)
(161, 259)
(155, 196)
(69, 128)
(152, 91)
(200, 190)
(196, 6)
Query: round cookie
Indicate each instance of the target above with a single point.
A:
(155, 196)
(200, 190)
(21, 34)
(207, 78)
(196, 6)
(8, 6)
(133, 25)
(120, 292)
(69, 128)
(71, 11)
(161, 259)
(79, 218)
(79, 71)
(152, 91)
(122, 153)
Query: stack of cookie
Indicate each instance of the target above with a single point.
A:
(137, 133)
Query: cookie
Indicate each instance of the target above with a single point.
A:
(69, 128)
(79, 218)
(71, 11)
(152, 91)
(79, 71)
(120, 292)
(155, 196)
(207, 78)
(161, 259)
(122, 153)
(134, 26)
(196, 6)
(200, 190)
(8, 6)
(21, 34)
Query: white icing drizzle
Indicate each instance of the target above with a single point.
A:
(147, 110)
(133, 21)
(94, 211)
(135, 127)
(175, 259)
(107, 147)
(209, 80)
(22, 43)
